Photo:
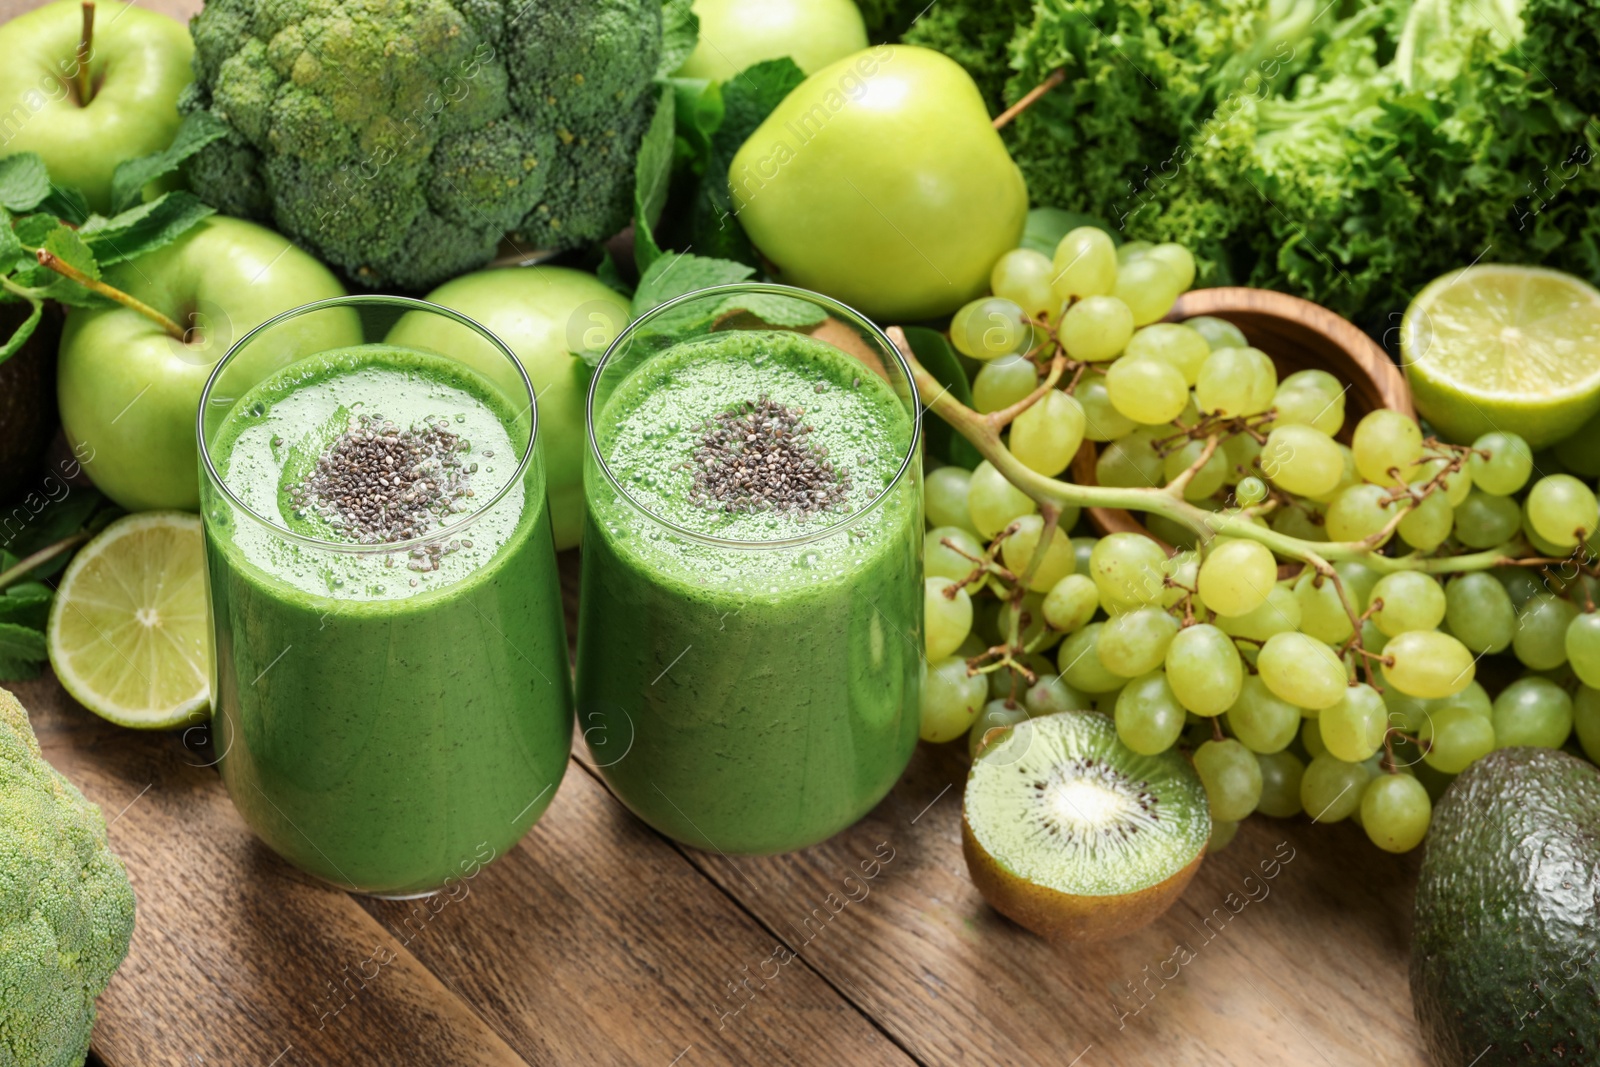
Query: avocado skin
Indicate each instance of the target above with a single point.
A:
(1505, 962)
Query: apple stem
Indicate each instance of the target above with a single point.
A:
(85, 50)
(1057, 76)
(67, 270)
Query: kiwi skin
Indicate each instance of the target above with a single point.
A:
(1058, 916)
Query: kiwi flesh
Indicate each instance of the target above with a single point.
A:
(1073, 835)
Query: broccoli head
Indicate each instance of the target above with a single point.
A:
(66, 909)
(400, 140)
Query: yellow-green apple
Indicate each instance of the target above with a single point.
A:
(138, 63)
(544, 315)
(737, 33)
(880, 181)
(129, 391)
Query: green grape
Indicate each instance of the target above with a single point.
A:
(1372, 638)
(1541, 637)
(1045, 437)
(1480, 613)
(1147, 391)
(1586, 721)
(1236, 381)
(1532, 711)
(1302, 670)
(1330, 790)
(1360, 512)
(992, 502)
(1322, 613)
(1541, 545)
(1395, 812)
(1031, 622)
(1250, 491)
(1207, 480)
(1454, 738)
(941, 561)
(1050, 695)
(1083, 549)
(1427, 524)
(1148, 286)
(1279, 613)
(1173, 532)
(950, 699)
(1305, 521)
(1507, 466)
(1129, 570)
(1426, 663)
(1406, 712)
(1456, 483)
(1130, 462)
(1484, 520)
(1302, 460)
(1562, 510)
(1085, 264)
(1135, 642)
(996, 715)
(1352, 730)
(1474, 698)
(1178, 261)
(1222, 835)
(1232, 777)
(1023, 277)
(1178, 346)
(1580, 451)
(1005, 682)
(1080, 664)
(1261, 721)
(944, 497)
(1148, 717)
(990, 327)
(1071, 603)
(1310, 398)
(1096, 328)
(1106, 703)
(1219, 333)
(1101, 421)
(1348, 475)
(1282, 774)
(1241, 451)
(1411, 601)
(1359, 581)
(1132, 250)
(1520, 584)
(1182, 569)
(947, 619)
(1311, 737)
(1016, 551)
(1002, 382)
(1204, 669)
(1583, 647)
(1386, 440)
(1237, 577)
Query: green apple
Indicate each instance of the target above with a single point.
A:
(543, 314)
(735, 34)
(138, 63)
(881, 182)
(129, 391)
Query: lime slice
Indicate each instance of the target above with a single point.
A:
(1515, 349)
(129, 630)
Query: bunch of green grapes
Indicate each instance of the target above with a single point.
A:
(1350, 693)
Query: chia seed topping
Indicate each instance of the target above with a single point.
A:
(756, 457)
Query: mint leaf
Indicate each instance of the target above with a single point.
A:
(199, 129)
(31, 230)
(10, 247)
(10, 345)
(25, 607)
(611, 277)
(680, 32)
(64, 243)
(677, 273)
(747, 99)
(67, 204)
(143, 228)
(775, 310)
(699, 113)
(48, 520)
(22, 651)
(651, 176)
(24, 181)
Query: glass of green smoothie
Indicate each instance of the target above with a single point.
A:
(393, 701)
(749, 640)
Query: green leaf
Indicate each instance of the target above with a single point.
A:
(677, 273)
(10, 345)
(749, 97)
(611, 277)
(64, 243)
(933, 351)
(199, 129)
(26, 607)
(1046, 227)
(67, 204)
(699, 112)
(24, 181)
(22, 652)
(680, 32)
(31, 230)
(775, 310)
(10, 247)
(651, 176)
(143, 228)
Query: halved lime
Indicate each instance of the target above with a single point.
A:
(129, 632)
(1494, 347)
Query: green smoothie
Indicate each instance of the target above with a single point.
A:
(748, 681)
(387, 717)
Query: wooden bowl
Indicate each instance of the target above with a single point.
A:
(1298, 335)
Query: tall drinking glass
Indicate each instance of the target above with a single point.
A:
(749, 642)
(393, 704)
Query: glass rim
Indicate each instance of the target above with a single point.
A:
(209, 469)
(837, 309)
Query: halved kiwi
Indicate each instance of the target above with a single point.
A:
(1072, 834)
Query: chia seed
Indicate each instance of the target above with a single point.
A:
(756, 457)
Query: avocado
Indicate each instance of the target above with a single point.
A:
(27, 400)
(1505, 963)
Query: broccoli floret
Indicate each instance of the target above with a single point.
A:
(66, 909)
(402, 139)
